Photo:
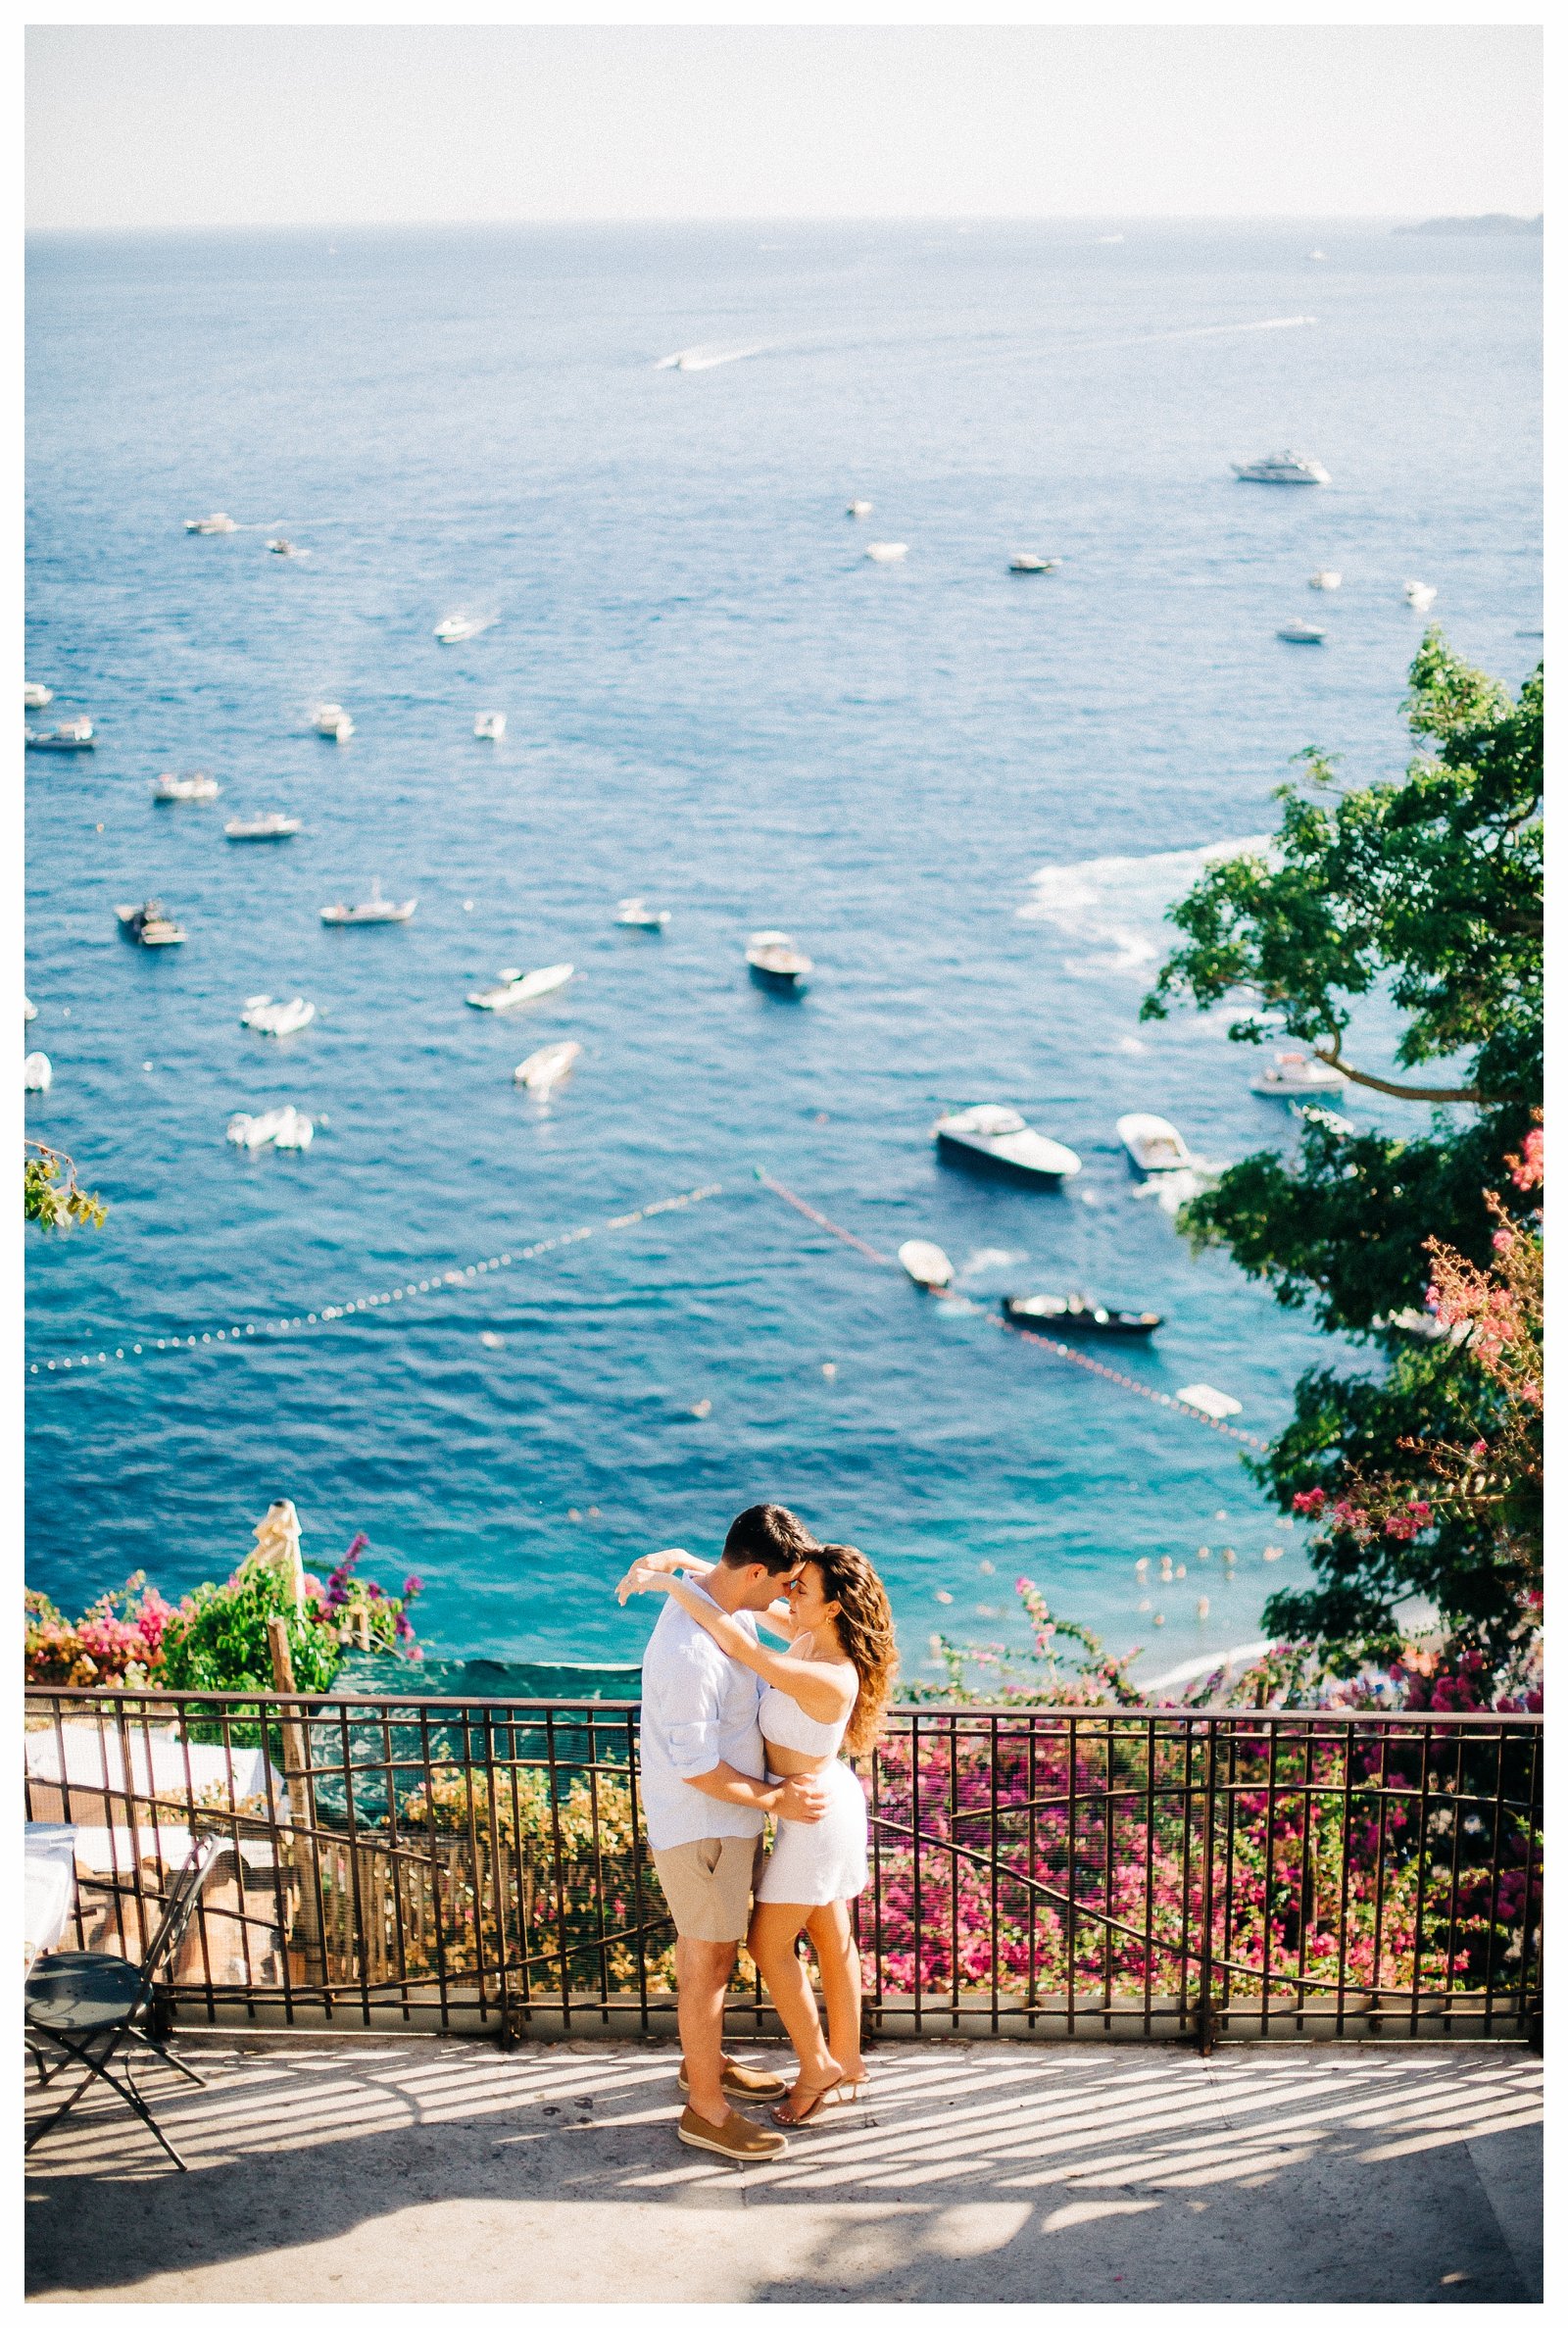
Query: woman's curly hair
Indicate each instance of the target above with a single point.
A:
(865, 1623)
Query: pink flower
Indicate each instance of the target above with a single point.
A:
(1311, 1500)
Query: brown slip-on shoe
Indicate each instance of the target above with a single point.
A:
(739, 2140)
(742, 2084)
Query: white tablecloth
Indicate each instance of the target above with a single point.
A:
(49, 1888)
(160, 1764)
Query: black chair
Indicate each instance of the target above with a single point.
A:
(87, 2004)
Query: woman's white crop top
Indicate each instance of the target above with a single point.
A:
(784, 1722)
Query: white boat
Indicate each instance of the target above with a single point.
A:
(72, 736)
(196, 786)
(1326, 578)
(1317, 254)
(634, 912)
(858, 509)
(30, 1008)
(374, 908)
(277, 1019)
(521, 987)
(1025, 562)
(1215, 1403)
(774, 960)
(330, 719)
(925, 1264)
(1294, 1073)
(36, 1073)
(490, 726)
(272, 825)
(1280, 468)
(218, 523)
(1155, 1145)
(1301, 635)
(999, 1137)
(275, 1127)
(281, 547)
(1420, 595)
(453, 628)
(35, 696)
(887, 553)
(150, 924)
(543, 1069)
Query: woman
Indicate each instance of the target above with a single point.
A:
(829, 1688)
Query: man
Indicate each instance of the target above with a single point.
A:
(704, 1790)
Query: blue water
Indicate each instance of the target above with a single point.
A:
(969, 795)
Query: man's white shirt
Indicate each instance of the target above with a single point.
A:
(698, 1710)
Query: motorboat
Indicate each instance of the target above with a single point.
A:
(926, 1265)
(776, 961)
(542, 1071)
(521, 987)
(1076, 1313)
(72, 736)
(858, 509)
(887, 553)
(1155, 1145)
(1280, 468)
(35, 696)
(30, 1008)
(281, 547)
(331, 719)
(218, 523)
(1301, 635)
(634, 912)
(1025, 562)
(999, 1138)
(373, 909)
(271, 826)
(1290, 1074)
(36, 1073)
(268, 1017)
(1420, 595)
(454, 628)
(196, 786)
(150, 924)
(275, 1127)
(490, 726)
(1326, 578)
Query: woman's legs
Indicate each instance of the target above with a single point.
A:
(776, 1925)
(832, 1935)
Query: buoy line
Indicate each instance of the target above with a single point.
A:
(1075, 1357)
(332, 1313)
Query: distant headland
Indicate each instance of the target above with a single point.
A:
(1492, 221)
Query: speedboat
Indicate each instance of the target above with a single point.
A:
(35, 696)
(281, 547)
(1155, 1145)
(373, 908)
(1024, 562)
(633, 913)
(150, 924)
(1280, 468)
(272, 825)
(774, 960)
(331, 719)
(1420, 595)
(1075, 1313)
(277, 1019)
(858, 509)
(1326, 578)
(999, 1138)
(1301, 635)
(218, 523)
(926, 1265)
(36, 1073)
(521, 987)
(196, 786)
(490, 726)
(453, 628)
(1293, 1072)
(72, 736)
(543, 1069)
(275, 1127)
(887, 553)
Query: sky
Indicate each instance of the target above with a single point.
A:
(203, 125)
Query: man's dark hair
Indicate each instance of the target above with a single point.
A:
(769, 1535)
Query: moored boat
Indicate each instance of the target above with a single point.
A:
(1327, 578)
(1025, 562)
(281, 547)
(198, 785)
(371, 911)
(999, 1138)
(858, 509)
(268, 1017)
(271, 826)
(150, 924)
(490, 727)
(543, 1069)
(36, 1073)
(72, 736)
(1290, 1074)
(332, 721)
(634, 912)
(275, 1127)
(521, 987)
(453, 628)
(1301, 635)
(218, 523)
(1280, 468)
(1153, 1144)
(1076, 1313)
(776, 961)
(925, 1264)
(35, 696)
(1420, 595)
(887, 553)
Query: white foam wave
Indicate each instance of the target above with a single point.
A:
(1114, 905)
(703, 358)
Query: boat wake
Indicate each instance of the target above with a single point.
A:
(1113, 905)
(703, 358)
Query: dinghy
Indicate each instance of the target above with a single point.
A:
(275, 1127)
(277, 1019)
(36, 1073)
(1153, 1145)
(926, 1265)
(519, 986)
(543, 1069)
(199, 786)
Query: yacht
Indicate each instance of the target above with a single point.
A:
(196, 786)
(1280, 468)
(373, 908)
(543, 1069)
(858, 509)
(887, 553)
(1301, 635)
(150, 924)
(634, 912)
(36, 1073)
(1325, 578)
(268, 1017)
(776, 961)
(1155, 1145)
(521, 987)
(1000, 1139)
(218, 523)
(926, 1265)
(72, 736)
(1295, 1073)
(281, 547)
(330, 719)
(275, 1127)
(35, 696)
(1025, 562)
(490, 726)
(1420, 595)
(1076, 1313)
(273, 825)
(454, 628)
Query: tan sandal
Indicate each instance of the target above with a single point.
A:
(819, 2104)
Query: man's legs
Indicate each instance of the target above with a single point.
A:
(703, 1969)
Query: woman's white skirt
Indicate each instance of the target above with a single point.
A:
(816, 1860)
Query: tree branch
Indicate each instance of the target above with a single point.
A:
(1434, 1095)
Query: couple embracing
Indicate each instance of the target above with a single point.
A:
(733, 1729)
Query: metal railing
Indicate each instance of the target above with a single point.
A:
(1034, 1871)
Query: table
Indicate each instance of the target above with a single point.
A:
(49, 1888)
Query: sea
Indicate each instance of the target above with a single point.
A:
(969, 795)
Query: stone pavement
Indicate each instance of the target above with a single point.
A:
(433, 2170)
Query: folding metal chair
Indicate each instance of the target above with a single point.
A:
(86, 2003)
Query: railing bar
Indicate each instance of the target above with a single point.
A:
(1347, 1750)
(1422, 1825)
(558, 1870)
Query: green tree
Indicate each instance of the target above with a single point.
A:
(1428, 890)
(49, 1191)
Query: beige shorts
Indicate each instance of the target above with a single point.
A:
(708, 1884)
